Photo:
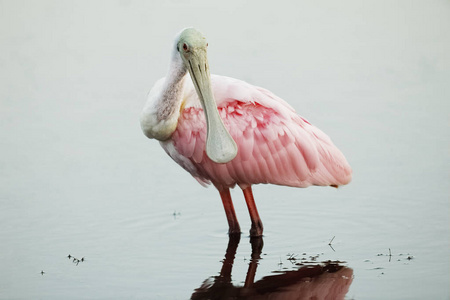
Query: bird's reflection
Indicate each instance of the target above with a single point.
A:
(325, 280)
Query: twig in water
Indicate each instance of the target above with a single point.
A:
(329, 244)
(331, 240)
(292, 256)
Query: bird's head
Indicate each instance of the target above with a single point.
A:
(192, 48)
(191, 42)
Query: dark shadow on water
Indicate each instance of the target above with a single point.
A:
(318, 280)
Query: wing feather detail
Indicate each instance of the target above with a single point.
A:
(275, 145)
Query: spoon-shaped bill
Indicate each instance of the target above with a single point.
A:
(220, 146)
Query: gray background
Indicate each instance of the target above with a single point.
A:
(78, 176)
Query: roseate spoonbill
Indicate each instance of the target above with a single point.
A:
(225, 131)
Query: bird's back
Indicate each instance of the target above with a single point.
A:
(275, 145)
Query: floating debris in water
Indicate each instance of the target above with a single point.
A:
(390, 255)
(176, 214)
(75, 260)
(331, 240)
(314, 258)
(292, 256)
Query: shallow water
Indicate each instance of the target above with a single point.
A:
(79, 178)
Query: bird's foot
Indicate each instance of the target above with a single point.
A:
(234, 231)
(256, 229)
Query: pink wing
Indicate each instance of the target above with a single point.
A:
(275, 145)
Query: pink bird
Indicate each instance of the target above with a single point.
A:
(225, 131)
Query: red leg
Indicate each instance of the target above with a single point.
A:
(229, 211)
(257, 226)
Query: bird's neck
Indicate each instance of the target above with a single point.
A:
(171, 94)
(159, 118)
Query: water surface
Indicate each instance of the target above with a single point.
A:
(78, 177)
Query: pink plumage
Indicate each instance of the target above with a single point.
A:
(225, 131)
(275, 145)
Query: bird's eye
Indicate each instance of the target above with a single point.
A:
(185, 47)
